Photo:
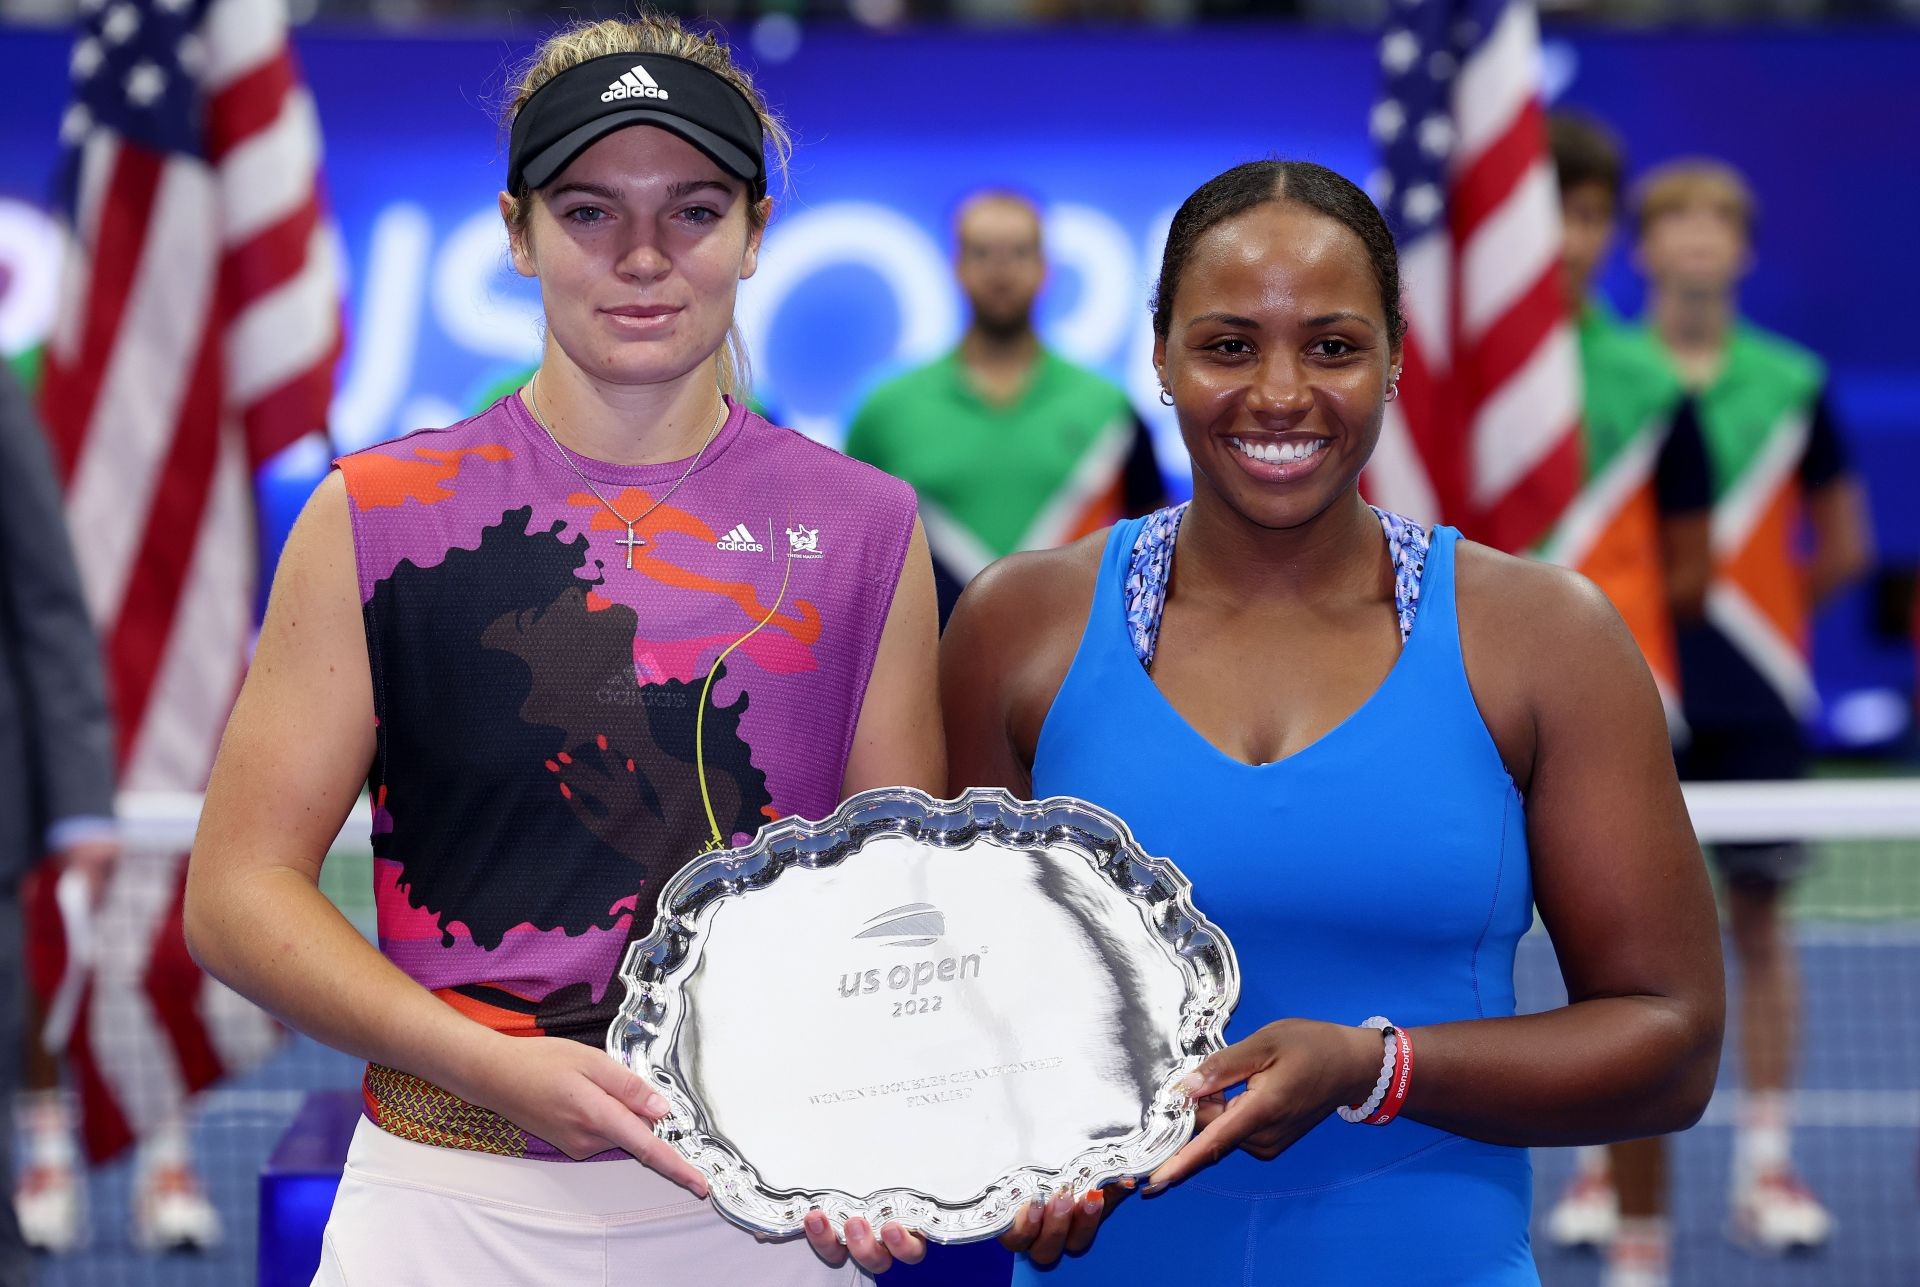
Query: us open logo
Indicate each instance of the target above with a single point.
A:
(905, 926)
(908, 925)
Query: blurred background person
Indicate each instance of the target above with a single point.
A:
(1010, 446)
(56, 791)
(1789, 530)
(1639, 529)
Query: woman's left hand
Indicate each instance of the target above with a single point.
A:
(873, 1252)
(1296, 1071)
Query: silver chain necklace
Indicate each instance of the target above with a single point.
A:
(632, 542)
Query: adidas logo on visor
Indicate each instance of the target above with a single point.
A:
(633, 83)
(740, 539)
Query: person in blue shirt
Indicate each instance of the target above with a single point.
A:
(1373, 748)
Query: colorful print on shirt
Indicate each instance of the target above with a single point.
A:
(534, 773)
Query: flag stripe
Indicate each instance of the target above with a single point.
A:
(1484, 186)
(291, 412)
(1435, 429)
(126, 1033)
(1506, 347)
(103, 1124)
(1495, 82)
(1521, 422)
(1395, 479)
(144, 622)
(116, 253)
(240, 35)
(268, 175)
(1529, 509)
(172, 986)
(285, 332)
(1426, 287)
(248, 105)
(166, 312)
(275, 255)
(202, 663)
(95, 164)
(1509, 251)
(241, 1033)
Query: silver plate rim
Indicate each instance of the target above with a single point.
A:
(642, 1031)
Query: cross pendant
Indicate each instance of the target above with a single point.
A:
(632, 543)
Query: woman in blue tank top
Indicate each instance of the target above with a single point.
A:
(1374, 749)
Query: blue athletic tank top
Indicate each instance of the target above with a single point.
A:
(1382, 869)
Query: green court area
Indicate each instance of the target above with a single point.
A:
(347, 879)
(1861, 880)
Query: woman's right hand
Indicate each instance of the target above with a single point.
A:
(580, 1100)
(1063, 1225)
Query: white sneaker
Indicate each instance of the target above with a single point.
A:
(1775, 1212)
(49, 1203)
(1636, 1264)
(171, 1213)
(1587, 1214)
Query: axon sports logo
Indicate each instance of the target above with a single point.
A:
(906, 926)
(634, 83)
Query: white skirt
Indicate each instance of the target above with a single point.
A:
(413, 1215)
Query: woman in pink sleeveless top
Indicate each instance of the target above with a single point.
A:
(571, 643)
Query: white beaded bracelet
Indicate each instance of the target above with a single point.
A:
(1372, 1106)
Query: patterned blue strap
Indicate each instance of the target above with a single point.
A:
(1151, 566)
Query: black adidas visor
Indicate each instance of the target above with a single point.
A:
(585, 103)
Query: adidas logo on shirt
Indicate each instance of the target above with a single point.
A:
(634, 83)
(740, 540)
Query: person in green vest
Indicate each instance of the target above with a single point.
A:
(1639, 529)
(1790, 529)
(1010, 446)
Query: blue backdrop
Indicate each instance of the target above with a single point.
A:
(1108, 131)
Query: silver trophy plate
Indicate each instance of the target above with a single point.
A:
(924, 1010)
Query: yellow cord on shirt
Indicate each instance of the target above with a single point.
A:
(714, 839)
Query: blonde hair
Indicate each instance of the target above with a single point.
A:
(1693, 181)
(658, 34)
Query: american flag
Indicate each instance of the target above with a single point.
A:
(1485, 434)
(196, 338)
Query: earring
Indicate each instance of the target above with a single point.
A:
(1166, 399)
(1393, 389)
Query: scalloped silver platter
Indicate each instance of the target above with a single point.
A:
(923, 1010)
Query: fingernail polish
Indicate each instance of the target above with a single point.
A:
(1062, 1203)
(657, 1105)
(1192, 1083)
(1152, 1190)
(1093, 1204)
